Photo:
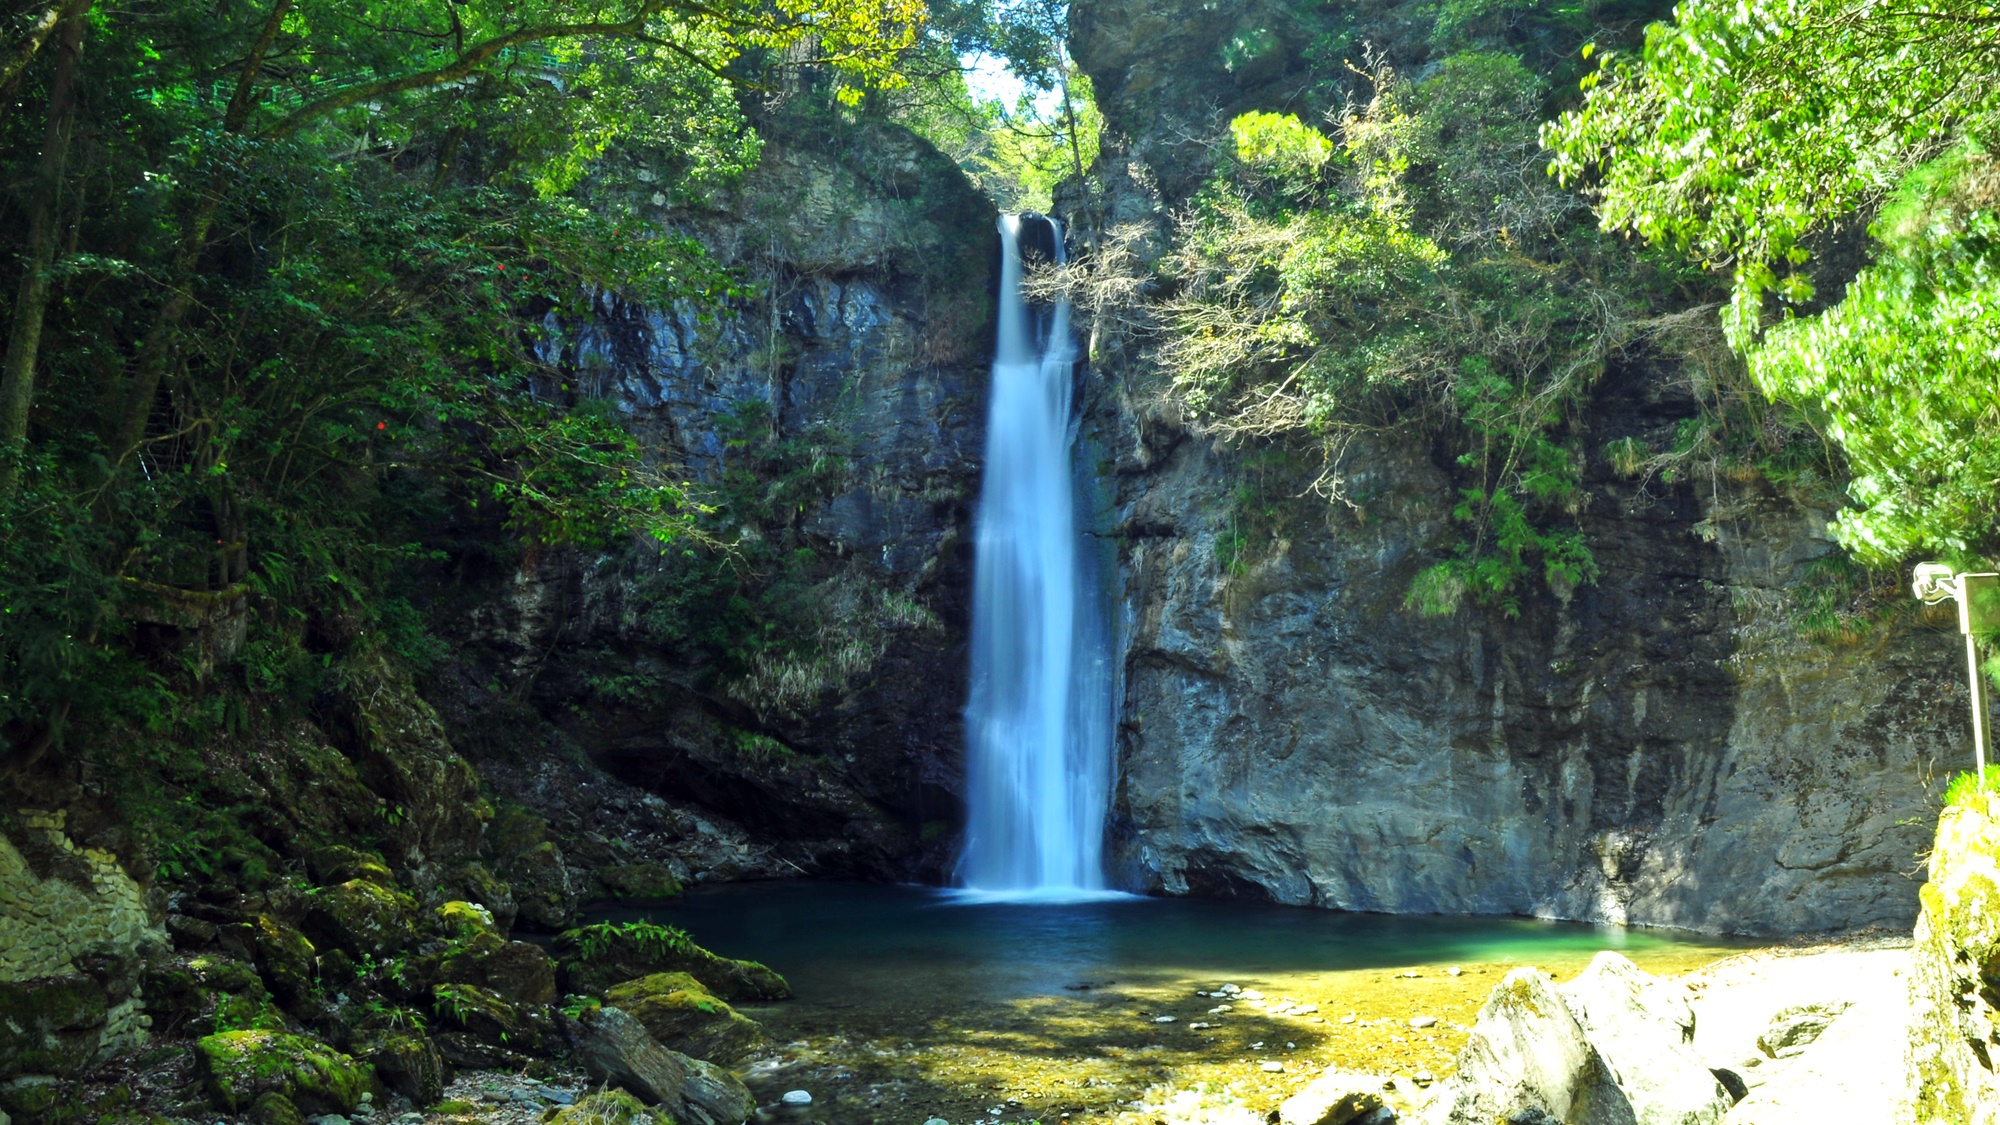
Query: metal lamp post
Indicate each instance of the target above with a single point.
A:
(1978, 598)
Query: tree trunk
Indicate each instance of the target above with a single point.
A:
(24, 336)
(150, 364)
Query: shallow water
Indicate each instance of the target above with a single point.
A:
(913, 1002)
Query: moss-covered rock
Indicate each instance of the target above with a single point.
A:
(364, 917)
(491, 1018)
(544, 895)
(465, 920)
(239, 1067)
(476, 954)
(1954, 1046)
(407, 1062)
(286, 958)
(610, 1107)
(210, 992)
(274, 1108)
(687, 1017)
(338, 863)
(638, 881)
(593, 958)
(50, 1025)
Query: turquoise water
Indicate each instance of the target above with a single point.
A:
(921, 944)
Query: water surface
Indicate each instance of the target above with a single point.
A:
(912, 1002)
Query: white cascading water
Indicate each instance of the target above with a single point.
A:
(1038, 721)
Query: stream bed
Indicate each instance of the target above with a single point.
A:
(913, 1003)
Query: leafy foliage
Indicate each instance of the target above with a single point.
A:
(1422, 274)
(1743, 133)
(290, 336)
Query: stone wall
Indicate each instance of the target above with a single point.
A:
(74, 928)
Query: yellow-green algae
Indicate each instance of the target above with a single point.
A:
(1090, 1055)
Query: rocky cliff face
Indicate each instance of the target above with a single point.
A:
(1662, 748)
(840, 400)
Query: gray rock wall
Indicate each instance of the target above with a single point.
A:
(1660, 748)
(870, 261)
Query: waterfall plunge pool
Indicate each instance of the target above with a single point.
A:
(915, 1003)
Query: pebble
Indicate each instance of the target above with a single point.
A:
(1199, 1025)
(1423, 1078)
(1229, 988)
(1454, 971)
(937, 1121)
(1163, 1019)
(1273, 1068)
(1251, 994)
(559, 1097)
(796, 1097)
(1424, 1021)
(1348, 1018)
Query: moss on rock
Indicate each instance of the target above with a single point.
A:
(687, 1017)
(239, 1067)
(364, 917)
(286, 958)
(593, 958)
(638, 881)
(610, 1107)
(50, 1025)
(491, 1018)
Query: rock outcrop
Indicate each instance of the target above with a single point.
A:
(1954, 1050)
(1614, 1046)
(1662, 747)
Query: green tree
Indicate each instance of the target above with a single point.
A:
(280, 272)
(1743, 134)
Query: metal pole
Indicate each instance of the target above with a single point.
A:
(1980, 722)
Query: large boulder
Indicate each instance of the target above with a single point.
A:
(593, 958)
(364, 917)
(616, 1049)
(476, 954)
(407, 1062)
(1336, 1097)
(1528, 1061)
(713, 1096)
(485, 1029)
(286, 958)
(683, 1015)
(51, 1025)
(1643, 1029)
(240, 1067)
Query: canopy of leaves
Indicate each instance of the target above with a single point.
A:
(1422, 270)
(292, 330)
(1744, 129)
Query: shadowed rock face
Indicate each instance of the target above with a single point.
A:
(1660, 748)
(867, 332)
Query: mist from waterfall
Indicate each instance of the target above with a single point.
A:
(1038, 721)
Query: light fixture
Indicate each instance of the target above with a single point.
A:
(1978, 597)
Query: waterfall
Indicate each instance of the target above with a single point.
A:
(1038, 721)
